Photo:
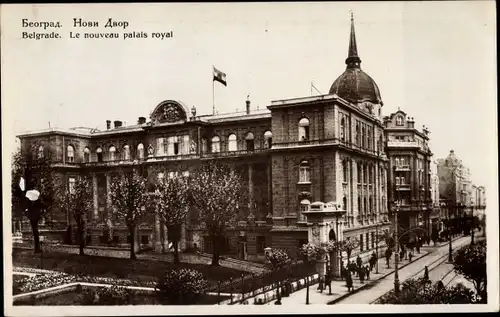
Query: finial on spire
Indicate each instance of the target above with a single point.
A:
(353, 59)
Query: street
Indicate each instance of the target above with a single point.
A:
(436, 259)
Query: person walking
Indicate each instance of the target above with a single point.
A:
(361, 273)
(426, 273)
(367, 272)
(387, 256)
(359, 262)
(348, 281)
(401, 255)
(410, 256)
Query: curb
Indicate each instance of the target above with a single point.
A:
(373, 281)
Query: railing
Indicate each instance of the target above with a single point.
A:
(233, 153)
(251, 285)
(403, 187)
(325, 142)
(402, 168)
(412, 144)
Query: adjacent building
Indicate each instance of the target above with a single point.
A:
(409, 178)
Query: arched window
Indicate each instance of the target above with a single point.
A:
(112, 152)
(304, 129)
(86, 155)
(126, 152)
(40, 151)
(304, 206)
(397, 161)
(360, 207)
(370, 204)
(140, 151)
(71, 153)
(304, 172)
(232, 144)
(249, 139)
(344, 203)
(399, 120)
(268, 139)
(342, 129)
(215, 144)
(99, 154)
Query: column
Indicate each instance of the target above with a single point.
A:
(95, 196)
(107, 212)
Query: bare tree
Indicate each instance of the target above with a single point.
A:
(216, 192)
(77, 201)
(171, 202)
(129, 201)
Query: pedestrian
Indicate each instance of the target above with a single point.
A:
(410, 256)
(401, 255)
(387, 256)
(426, 273)
(359, 262)
(348, 281)
(367, 272)
(361, 273)
(418, 248)
(328, 281)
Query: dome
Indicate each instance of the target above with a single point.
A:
(354, 85)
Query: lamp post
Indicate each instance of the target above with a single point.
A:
(396, 237)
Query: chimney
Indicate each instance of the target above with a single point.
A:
(118, 124)
(108, 124)
(141, 120)
(411, 123)
(248, 104)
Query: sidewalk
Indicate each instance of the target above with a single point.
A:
(339, 288)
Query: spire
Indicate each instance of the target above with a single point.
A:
(352, 60)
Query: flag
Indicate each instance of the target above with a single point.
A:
(219, 76)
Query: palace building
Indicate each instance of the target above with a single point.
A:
(297, 152)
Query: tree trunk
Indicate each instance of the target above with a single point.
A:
(132, 242)
(81, 237)
(36, 234)
(176, 252)
(215, 250)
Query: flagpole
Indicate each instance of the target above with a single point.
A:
(213, 95)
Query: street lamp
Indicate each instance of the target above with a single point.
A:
(396, 259)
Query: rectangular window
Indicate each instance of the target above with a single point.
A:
(367, 241)
(361, 243)
(373, 240)
(304, 174)
(71, 184)
(403, 180)
(397, 181)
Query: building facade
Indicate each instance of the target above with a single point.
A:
(327, 148)
(409, 178)
(436, 216)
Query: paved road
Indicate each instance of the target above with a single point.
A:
(370, 294)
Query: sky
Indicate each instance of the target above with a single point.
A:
(434, 60)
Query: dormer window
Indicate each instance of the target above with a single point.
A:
(304, 172)
(249, 139)
(71, 154)
(304, 129)
(399, 120)
(232, 144)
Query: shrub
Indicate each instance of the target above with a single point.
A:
(181, 287)
(113, 295)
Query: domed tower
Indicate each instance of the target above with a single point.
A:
(356, 86)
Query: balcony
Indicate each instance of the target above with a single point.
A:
(326, 143)
(402, 168)
(403, 187)
(234, 153)
(403, 144)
